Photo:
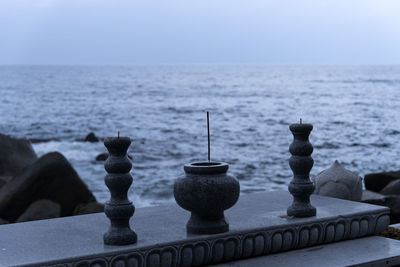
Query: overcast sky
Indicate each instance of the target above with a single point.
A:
(199, 31)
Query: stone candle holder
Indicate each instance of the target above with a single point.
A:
(206, 191)
(118, 180)
(301, 164)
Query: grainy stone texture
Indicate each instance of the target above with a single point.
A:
(301, 164)
(338, 182)
(368, 251)
(118, 180)
(91, 137)
(206, 191)
(258, 226)
(39, 210)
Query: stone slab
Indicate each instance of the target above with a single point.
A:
(258, 226)
(397, 225)
(367, 251)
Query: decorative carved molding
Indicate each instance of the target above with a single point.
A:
(234, 245)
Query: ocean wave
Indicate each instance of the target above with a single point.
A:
(327, 145)
(393, 132)
(383, 81)
(335, 81)
(42, 140)
(380, 145)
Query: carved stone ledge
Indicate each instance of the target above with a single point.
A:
(258, 227)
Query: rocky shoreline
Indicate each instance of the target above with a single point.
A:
(384, 189)
(33, 188)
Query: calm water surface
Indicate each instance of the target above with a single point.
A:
(354, 109)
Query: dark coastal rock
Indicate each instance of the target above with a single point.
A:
(15, 155)
(392, 188)
(2, 221)
(50, 177)
(377, 181)
(88, 208)
(3, 180)
(40, 210)
(91, 137)
(393, 202)
(339, 183)
(102, 157)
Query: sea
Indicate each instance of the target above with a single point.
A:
(355, 111)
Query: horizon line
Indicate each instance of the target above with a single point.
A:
(194, 64)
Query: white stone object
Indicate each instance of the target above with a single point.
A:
(338, 182)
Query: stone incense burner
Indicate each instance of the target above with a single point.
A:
(206, 191)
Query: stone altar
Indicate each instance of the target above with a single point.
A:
(258, 226)
(370, 251)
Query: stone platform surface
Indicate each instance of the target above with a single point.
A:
(258, 226)
(368, 251)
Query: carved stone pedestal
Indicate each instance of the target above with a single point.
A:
(301, 163)
(118, 209)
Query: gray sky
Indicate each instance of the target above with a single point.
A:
(203, 31)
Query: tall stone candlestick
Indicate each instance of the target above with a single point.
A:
(301, 163)
(118, 209)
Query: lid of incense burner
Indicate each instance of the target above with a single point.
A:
(206, 167)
